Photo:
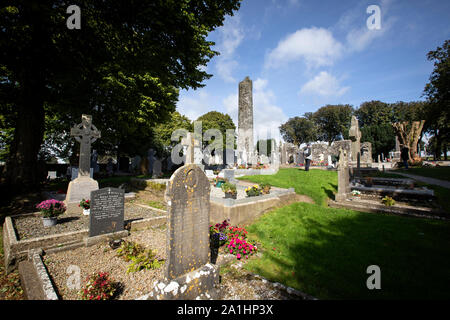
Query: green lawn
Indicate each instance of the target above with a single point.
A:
(317, 184)
(442, 173)
(325, 252)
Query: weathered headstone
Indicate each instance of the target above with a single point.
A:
(51, 175)
(343, 177)
(107, 211)
(355, 136)
(86, 134)
(94, 164)
(157, 169)
(188, 273)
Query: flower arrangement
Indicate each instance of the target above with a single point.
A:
(85, 204)
(229, 189)
(253, 191)
(98, 287)
(242, 166)
(356, 193)
(51, 208)
(218, 232)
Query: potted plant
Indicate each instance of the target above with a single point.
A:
(265, 188)
(50, 210)
(230, 190)
(356, 193)
(86, 205)
(253, 191)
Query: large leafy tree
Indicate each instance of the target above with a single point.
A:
(375, 119)
(219, 121)
(124, 66)
(437, 91)
(298, 130)
(163, 131)
(333, 122)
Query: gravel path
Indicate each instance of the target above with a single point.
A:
(31, 226)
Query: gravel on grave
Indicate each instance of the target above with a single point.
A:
(236, 285)
(31, 226)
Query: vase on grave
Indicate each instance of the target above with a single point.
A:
(86, 212)
(49, 221)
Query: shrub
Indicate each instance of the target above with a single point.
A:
(51, 208)
(140, 258)
(98, 287)
(388, 201)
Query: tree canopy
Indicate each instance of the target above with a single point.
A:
(124, 66)
(298, 130)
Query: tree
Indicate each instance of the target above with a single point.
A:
(124, 66)
(333, 122)
(163, 131)
(374, 113)
(437, 91)
(219, 121)
(298, 130)
(409, 124)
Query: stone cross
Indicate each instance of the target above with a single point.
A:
(189, 142)
(355, 136)
(86, 134)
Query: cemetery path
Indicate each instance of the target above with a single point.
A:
(428, 180)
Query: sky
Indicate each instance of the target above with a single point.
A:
(304, 54)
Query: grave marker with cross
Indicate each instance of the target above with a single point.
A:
(86, 134)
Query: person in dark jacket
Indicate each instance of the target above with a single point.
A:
(405, 155)
(308, 156)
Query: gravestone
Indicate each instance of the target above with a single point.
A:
(157, 169)
(355, 135)
(343, 177)
(94, 164)
(86, 134)
(188, 273)
(110, 167)
(151, 159)
(107, 211)
(189, 144)
(51, 175)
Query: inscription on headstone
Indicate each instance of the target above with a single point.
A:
(107, 211)
(187, 195)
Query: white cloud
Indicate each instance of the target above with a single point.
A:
(324, 84)
(316, 46)
(231, 35)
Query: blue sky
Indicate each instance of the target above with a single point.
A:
(304, 54)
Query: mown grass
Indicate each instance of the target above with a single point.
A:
(325, 252)
(317, 184)
(442, 173)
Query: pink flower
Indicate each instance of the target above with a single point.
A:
(238, 256)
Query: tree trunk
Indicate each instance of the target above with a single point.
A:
(22, 170)
(409, 138)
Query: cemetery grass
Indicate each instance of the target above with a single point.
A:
(320, 185)
(441, 173)
(325, 252)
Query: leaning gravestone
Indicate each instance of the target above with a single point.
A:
(107, 211)
(188, 273)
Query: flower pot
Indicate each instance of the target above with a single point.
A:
(86, 211)
(229, 195)
(50, 221)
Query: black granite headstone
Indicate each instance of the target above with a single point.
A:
(107, 211)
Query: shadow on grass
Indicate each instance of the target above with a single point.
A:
(325, 253)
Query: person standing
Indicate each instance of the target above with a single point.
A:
(405, 156)
(308, 156)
